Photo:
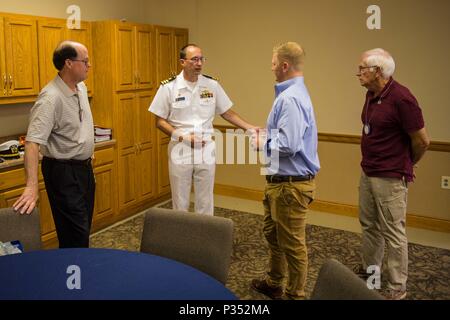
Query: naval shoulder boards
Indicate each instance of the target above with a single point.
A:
(168, 80)
(210, 77)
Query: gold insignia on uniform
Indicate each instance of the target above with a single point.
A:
(168, 80)
(210, 77)
(206, 94)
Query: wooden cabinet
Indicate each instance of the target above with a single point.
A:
(51, 32)
(136, 152)
(125, 78)
(18, 58)
(169, 42)
(105, 184)
(134, 56)
(12, 184)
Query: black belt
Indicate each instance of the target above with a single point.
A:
(279, 179)
(86, 163)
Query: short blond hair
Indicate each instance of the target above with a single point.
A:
(292, 53)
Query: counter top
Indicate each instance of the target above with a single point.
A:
(7, 164)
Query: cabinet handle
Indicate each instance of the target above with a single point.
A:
(10, 84)
(5, 84)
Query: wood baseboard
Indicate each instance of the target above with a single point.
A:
(412, 220)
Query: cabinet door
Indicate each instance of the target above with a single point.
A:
(181, 38)
(163, 169)
(21, 56)
(50, 33)
(127, 150)
(125, 44)
(84, 36)
(47, 225)
(146, 124)
(145, 156)
(3, 74)
(164, 53)
(104, 191)
(145, 57)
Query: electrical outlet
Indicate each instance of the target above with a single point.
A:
(445, 182)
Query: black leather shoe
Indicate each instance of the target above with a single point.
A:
(261, 286)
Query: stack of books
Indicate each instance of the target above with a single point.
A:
(102, 134)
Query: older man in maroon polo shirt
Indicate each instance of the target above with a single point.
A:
(393, 141)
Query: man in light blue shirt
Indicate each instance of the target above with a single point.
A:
(292, 150)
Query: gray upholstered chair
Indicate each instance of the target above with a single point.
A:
(201, 241)
(337, 282)
(25, 228)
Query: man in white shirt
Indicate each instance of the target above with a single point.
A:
(185, 107)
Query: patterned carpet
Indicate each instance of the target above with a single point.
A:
(429, 267)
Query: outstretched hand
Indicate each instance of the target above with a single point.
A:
(258, 138)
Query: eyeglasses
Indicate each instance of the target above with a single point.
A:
(196, 59)
(361, 69)
(86, 62)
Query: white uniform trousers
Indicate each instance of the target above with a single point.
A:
(185, 165)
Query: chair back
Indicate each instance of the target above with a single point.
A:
(337, 282)
(23, 227)
(201, 241)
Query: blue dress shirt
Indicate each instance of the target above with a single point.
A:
(291, 145)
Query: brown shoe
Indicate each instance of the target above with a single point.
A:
(275, 293)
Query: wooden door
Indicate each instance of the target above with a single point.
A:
(163, 169)
(47, 224)
(104, 191)
(181, 38)
(146, 155)
(50, 33)
(145, 57)
(127, 149)
(125, 64)
(164, 53)
(84, 36)
(21, 56)
(3, 73)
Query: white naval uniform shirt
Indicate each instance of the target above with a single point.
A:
(188, 109)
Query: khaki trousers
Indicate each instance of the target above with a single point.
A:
(285, 206)
(382, 214)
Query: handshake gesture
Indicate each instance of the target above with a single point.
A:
(258, 138)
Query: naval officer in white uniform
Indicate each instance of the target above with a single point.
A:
(185, 107)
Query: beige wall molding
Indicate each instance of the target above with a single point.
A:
(351, 139)
(413, 220)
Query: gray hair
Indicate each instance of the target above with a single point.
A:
(382, 59)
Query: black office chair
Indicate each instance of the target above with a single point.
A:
(201, 241)
(23, 227)
(337, 282)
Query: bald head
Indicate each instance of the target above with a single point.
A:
(66, 50)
